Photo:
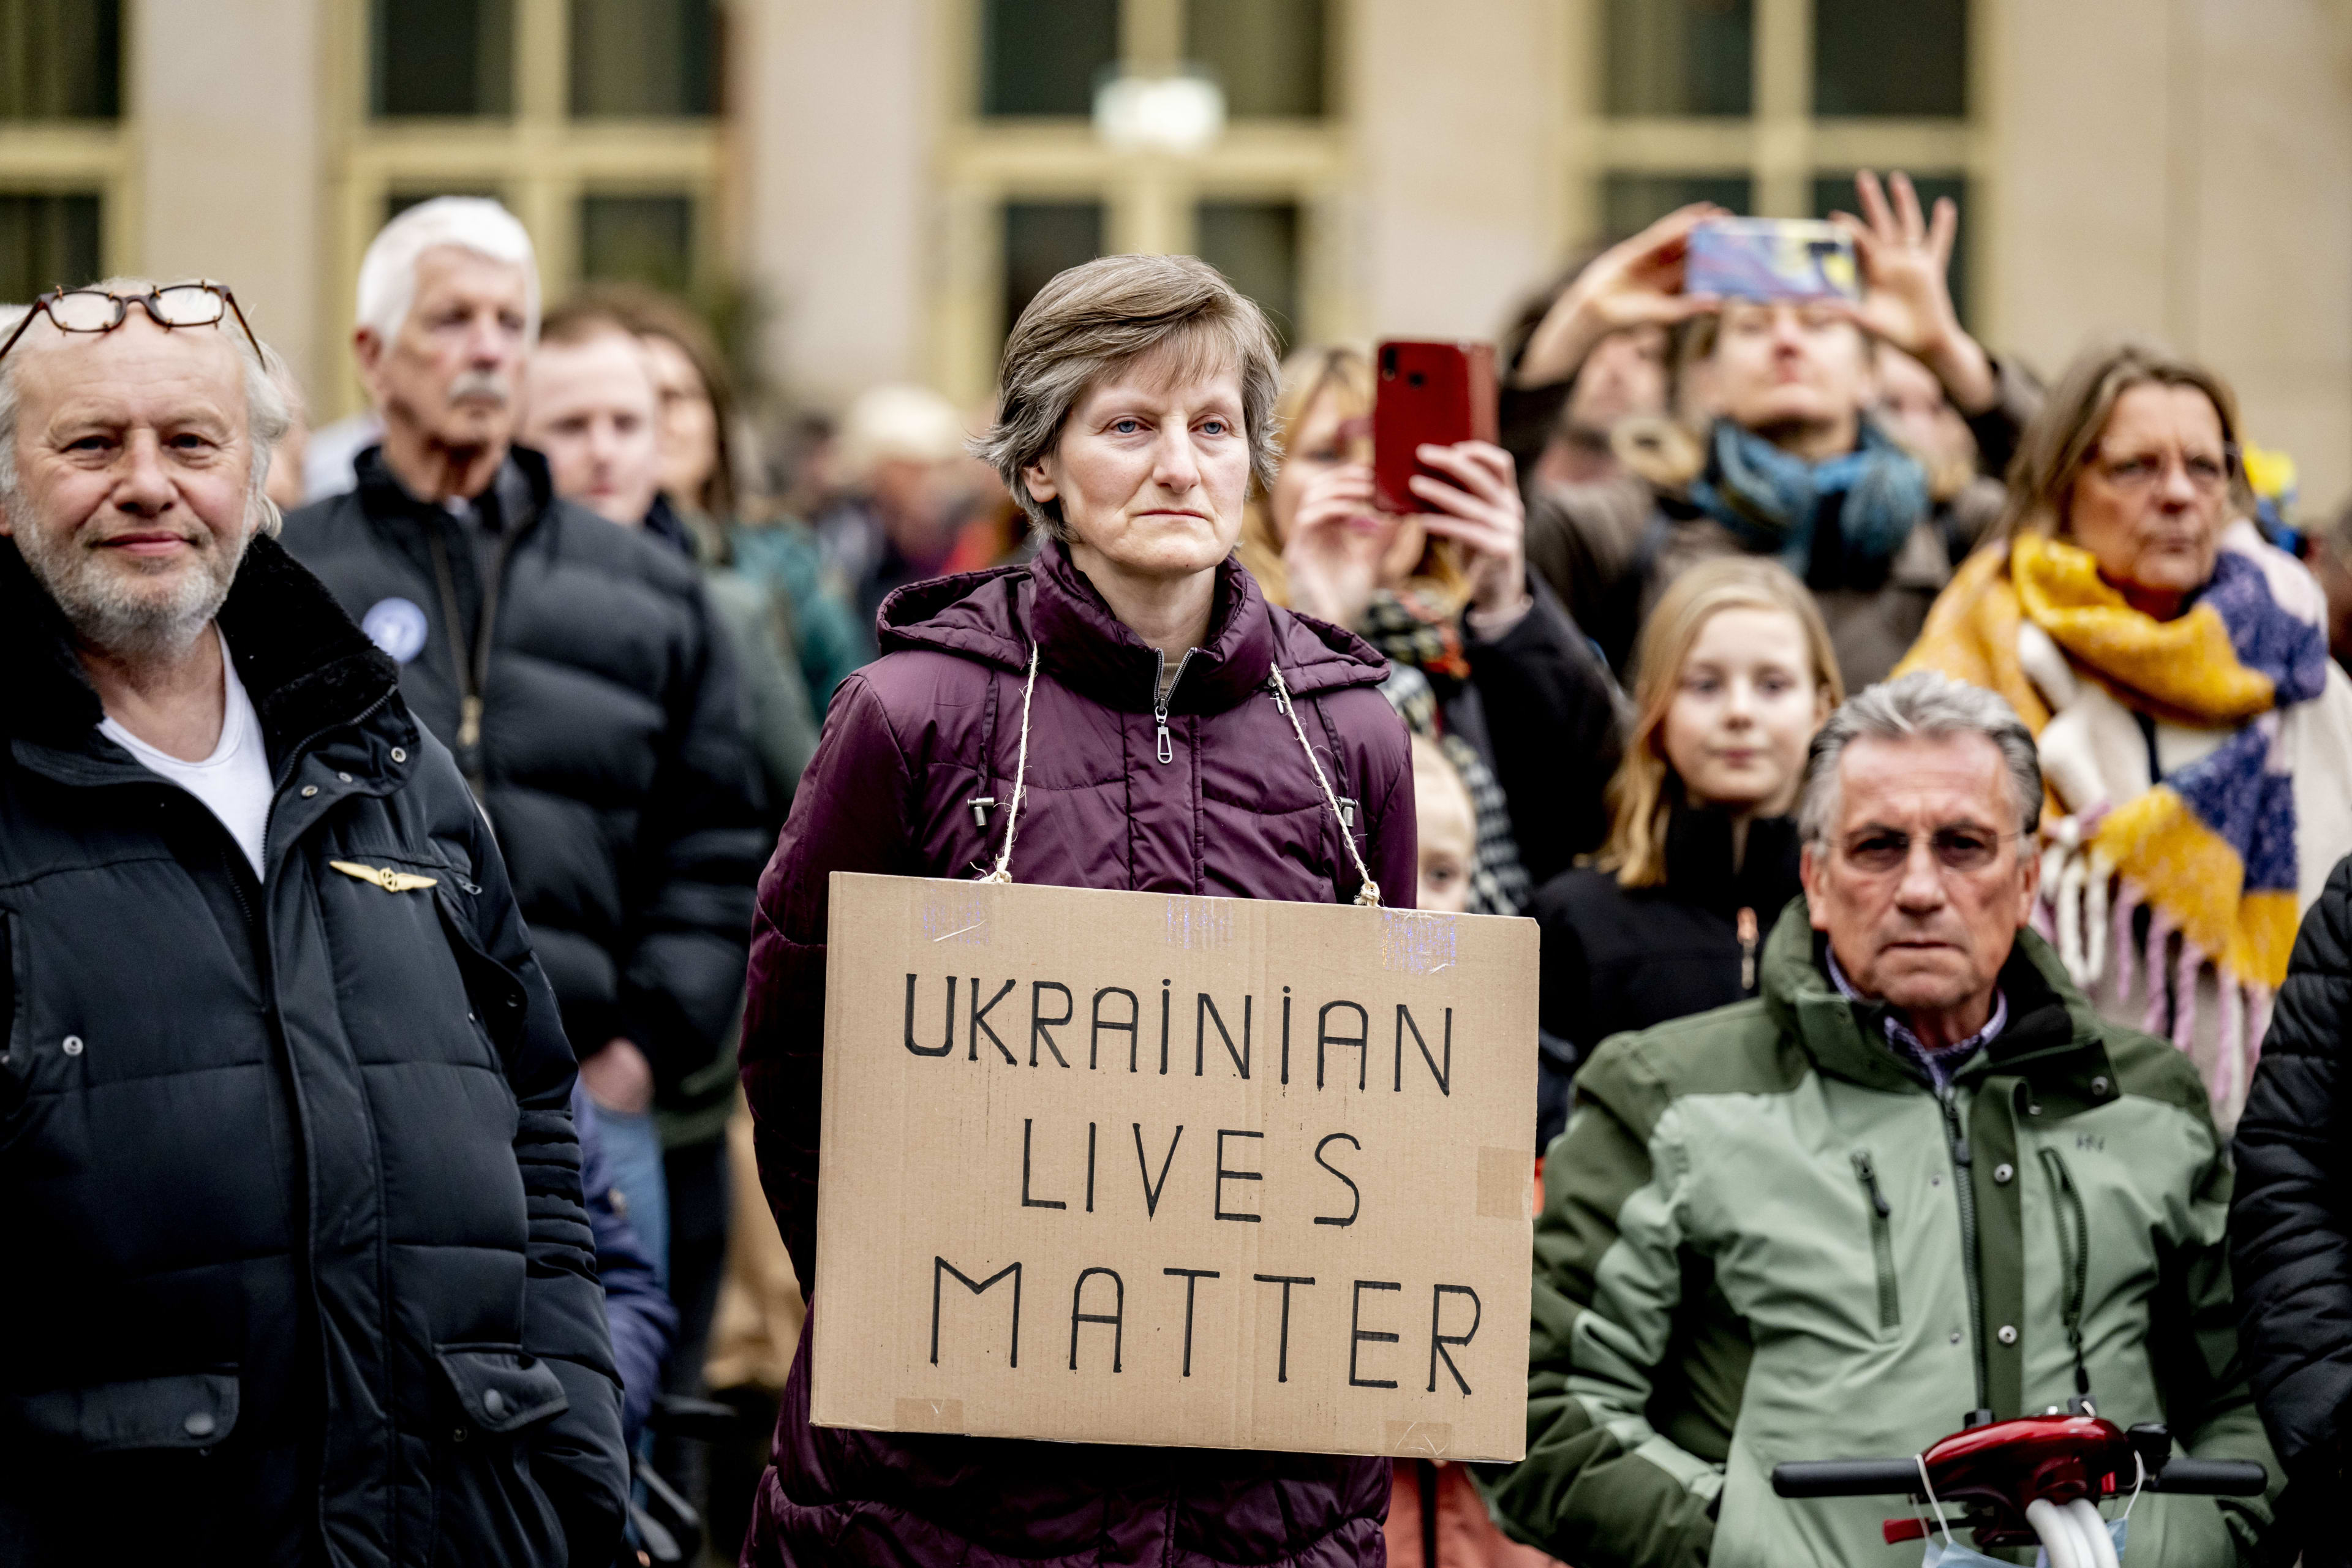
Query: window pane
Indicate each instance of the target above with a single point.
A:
(1268, 54)
(46, 241)
(1042, 238)
(1680, 57)
(639, 239)
(1871, 57)
(60, 59)
(1040, 56)
(642, 56)
(1630, 202)
(1835, 193)
(443, 56)
(1256, 245)
(399, 201)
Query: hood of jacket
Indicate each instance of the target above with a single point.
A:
(998, 615)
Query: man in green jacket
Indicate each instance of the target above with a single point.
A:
(1917, 1184)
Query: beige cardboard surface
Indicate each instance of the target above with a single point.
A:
(1137, 1168)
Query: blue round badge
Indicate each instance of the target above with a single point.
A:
(396, 625)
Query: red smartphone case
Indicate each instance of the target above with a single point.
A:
(1427, 392)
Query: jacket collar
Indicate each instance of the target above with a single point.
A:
(996, 617)
(1699, 869)
(2054, 1039)
(1092, 651)
(382, 495)
(307, 668)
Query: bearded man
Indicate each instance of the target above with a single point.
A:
(297, 1269)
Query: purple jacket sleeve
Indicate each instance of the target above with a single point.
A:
(848, 816)
(1383, 761)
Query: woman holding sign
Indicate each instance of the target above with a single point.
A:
(1127, 711)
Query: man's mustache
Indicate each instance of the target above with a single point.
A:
(480, 386)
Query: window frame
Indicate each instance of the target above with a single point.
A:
(541, 160)
(1149, 200)
(1784, 145)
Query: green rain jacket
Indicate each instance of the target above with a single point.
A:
(1755, 1247)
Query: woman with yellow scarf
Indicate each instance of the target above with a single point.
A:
(2195, 736)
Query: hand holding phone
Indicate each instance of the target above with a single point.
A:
(1428, 393)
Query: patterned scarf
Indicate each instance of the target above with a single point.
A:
(1412, 626)
(2212, 846)
(1499, 884)
(1771, 500)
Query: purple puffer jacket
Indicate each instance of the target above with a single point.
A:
(1234, 812)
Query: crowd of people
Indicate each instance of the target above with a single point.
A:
(1933, 788)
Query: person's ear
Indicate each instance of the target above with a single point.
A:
(1810, 874)
(1042, 488)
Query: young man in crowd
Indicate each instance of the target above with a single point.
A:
(298, 1269)
(579, 675)
(1831, 1222)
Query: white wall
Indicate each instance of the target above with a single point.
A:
(1458, 206)
(836, 127)
(226, 104)
(2184, 168)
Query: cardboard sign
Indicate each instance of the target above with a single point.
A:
(1115, 1167)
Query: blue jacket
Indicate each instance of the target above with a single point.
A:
(644, 1321)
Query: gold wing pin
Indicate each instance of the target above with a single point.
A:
(384, 877)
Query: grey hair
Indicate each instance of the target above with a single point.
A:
(1926, 704)
(268, 410)
(1091, 321)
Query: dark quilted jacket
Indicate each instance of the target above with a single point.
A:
(612, 751)
(2291, 1227)
(1236, 812)
(297, 1270)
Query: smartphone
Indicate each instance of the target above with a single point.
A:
(1771, 258)
(1434, 393)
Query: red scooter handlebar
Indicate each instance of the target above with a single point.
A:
(1989, 1476)
(1900, 1478)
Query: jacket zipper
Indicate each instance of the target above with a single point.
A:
(1746, 924)
(1964, 1188)
(2074, 1254)
(1881, 1240)
(1163, 691)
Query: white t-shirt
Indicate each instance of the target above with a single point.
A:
(233, 782)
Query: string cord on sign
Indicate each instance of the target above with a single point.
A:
(1003, 871)
(1368, 894)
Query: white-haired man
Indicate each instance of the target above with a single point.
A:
(298, 1269)
(576, 669)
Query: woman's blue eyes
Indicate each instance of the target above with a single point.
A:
(1135, 426)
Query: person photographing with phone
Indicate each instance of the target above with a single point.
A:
(1419, 547)
(1772, 451)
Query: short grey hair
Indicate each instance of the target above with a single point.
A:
(1928, 705)
(1097, 318)
(268, 410)
(387, 285)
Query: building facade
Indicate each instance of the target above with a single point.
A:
(871, 187)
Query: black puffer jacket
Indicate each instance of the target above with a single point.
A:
(612, 751)
(2291, 1225)
(1618, 958)
(297, 1270)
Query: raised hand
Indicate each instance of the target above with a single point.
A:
(1638, 283)
(1906, 257)
(1333, 555)
(1480, 510)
